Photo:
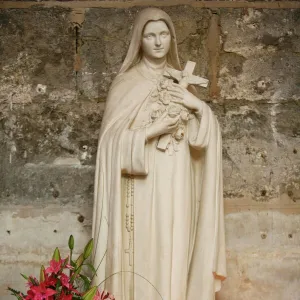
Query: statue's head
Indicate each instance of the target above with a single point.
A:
(153, 36)
(156, 40)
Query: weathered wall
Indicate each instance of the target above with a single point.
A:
(56, 66)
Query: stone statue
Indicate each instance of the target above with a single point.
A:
(158, 222)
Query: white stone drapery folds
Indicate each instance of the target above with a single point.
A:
(123, 150)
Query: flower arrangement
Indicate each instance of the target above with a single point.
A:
(63, 279)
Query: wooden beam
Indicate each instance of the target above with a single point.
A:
(214, 48)
(159, 3)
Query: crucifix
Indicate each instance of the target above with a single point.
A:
(184, 78)
(130, 252)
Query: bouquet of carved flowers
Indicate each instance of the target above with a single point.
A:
(63, 279)
(161, 102)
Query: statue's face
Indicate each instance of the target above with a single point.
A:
(156, 39)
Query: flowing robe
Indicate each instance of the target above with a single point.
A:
(158, 219)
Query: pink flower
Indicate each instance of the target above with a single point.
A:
(66, 264)
(69, 267)
(32, 281)
(104, 295)
(65, 281)
(55, 266)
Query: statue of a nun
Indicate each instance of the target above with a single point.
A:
(158, 222)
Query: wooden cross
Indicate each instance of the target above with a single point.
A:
(186, 76)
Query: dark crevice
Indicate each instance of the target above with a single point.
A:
(77, 45)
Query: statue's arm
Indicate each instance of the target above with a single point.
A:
(200, 128)
(134, 155)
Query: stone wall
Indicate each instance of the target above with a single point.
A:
(56, 67)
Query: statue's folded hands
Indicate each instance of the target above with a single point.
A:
(163, 124)
(182, 96)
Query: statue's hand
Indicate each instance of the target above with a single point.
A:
(163, 124)
(183, 96)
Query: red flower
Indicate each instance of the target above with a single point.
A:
(40, 292)
(55, 266)
(63, 296)
(65, 281)
(50, 280)
(30, 295)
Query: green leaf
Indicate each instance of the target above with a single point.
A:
(24, 276)
(74, 276)
(77, 272)
(73, 264)
(58, 285)
(79, 261)
(42, 274)
(88, 249)
(89, 295)
(15, 293)
(92, 268)
(33, 281)
(56, 255)
(86, 281)
(66, 260)
(71, 242)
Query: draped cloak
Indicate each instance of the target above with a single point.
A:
(179, 245)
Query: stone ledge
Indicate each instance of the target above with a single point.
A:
(58, 164)
(47, 181)
(44, 228)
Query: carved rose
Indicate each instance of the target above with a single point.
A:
(165, 97)
(184, 115)
(173, 111)
(155, 114)
(154, 95)
(179, 134)
(164, 84)
(156, 106)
